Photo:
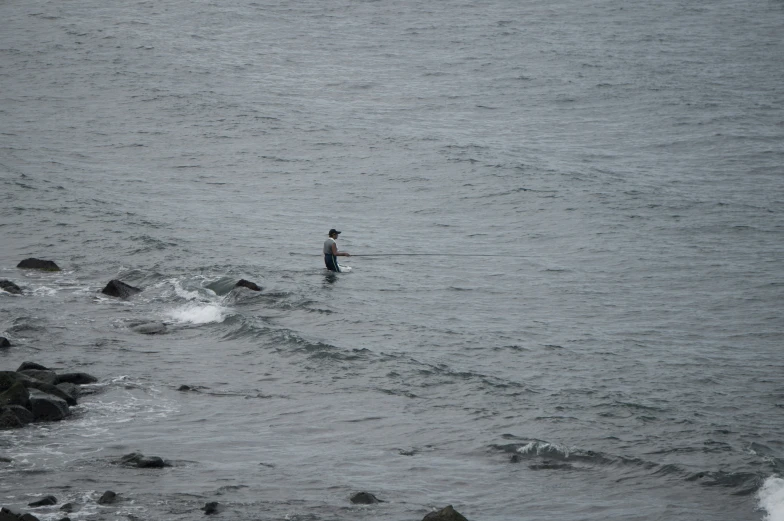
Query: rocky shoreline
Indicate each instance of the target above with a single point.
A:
(35, 393)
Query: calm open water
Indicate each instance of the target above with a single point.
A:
(616, 355)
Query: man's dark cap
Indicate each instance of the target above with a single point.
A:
(333, 231)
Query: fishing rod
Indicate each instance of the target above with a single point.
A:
(437, 255)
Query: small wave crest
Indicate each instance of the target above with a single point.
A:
(198, 313)
(771, 498)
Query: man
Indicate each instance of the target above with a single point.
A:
(331, 252)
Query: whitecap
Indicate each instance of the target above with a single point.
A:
(771, 498)
(198, 313)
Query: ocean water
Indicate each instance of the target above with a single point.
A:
(566, 295)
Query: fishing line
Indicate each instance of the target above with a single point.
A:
(437, 255)
(431, 255)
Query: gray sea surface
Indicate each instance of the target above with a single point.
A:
(566, 296)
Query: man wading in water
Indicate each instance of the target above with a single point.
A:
(331, 252)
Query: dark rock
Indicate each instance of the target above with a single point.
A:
(38, 264)
(51, 389)
(8, 420)
(7, 379)
(445, 514)
(47, 407)
(247, 284)
(107, 498)
(118, 288)
(68, 507)
(212, 507)
(31, 365)
(65, 519)
(141, 461)
(22, 414)
(75, 378)
(17, 394)
(43, 502)
(364, 498)
(71, 390)
(49, 377)
(10, 287)
(151, 328)
(3, 459)
(6, 514)
(4, 342)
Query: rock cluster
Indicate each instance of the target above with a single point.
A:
(35, 393)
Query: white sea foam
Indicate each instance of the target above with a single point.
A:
(198, 313)
(771, 498)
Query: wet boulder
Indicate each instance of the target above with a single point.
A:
(4, 342)
(247, 284)
(22, 414)
(75, 378)
(139, 460)
(107, 498)
(44, 502)
(364, 498)
(47, 407)
(16, 394)
(445, 514)
(118, 288)
(31, 365)
(9, 420)
(9, 378)
(32, 383)
(38, 264)
(70, 389)
(6, 514)
(10, 287)
(46, 376)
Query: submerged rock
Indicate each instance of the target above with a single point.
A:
(4, 342)
(118, 288)
(247, 284)
(107, 498)
(38, 264)
(136, 459)
(364, 498)
(445, 514)
(10, 287)
(43, 502)
(212, 507)
(151, 328)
